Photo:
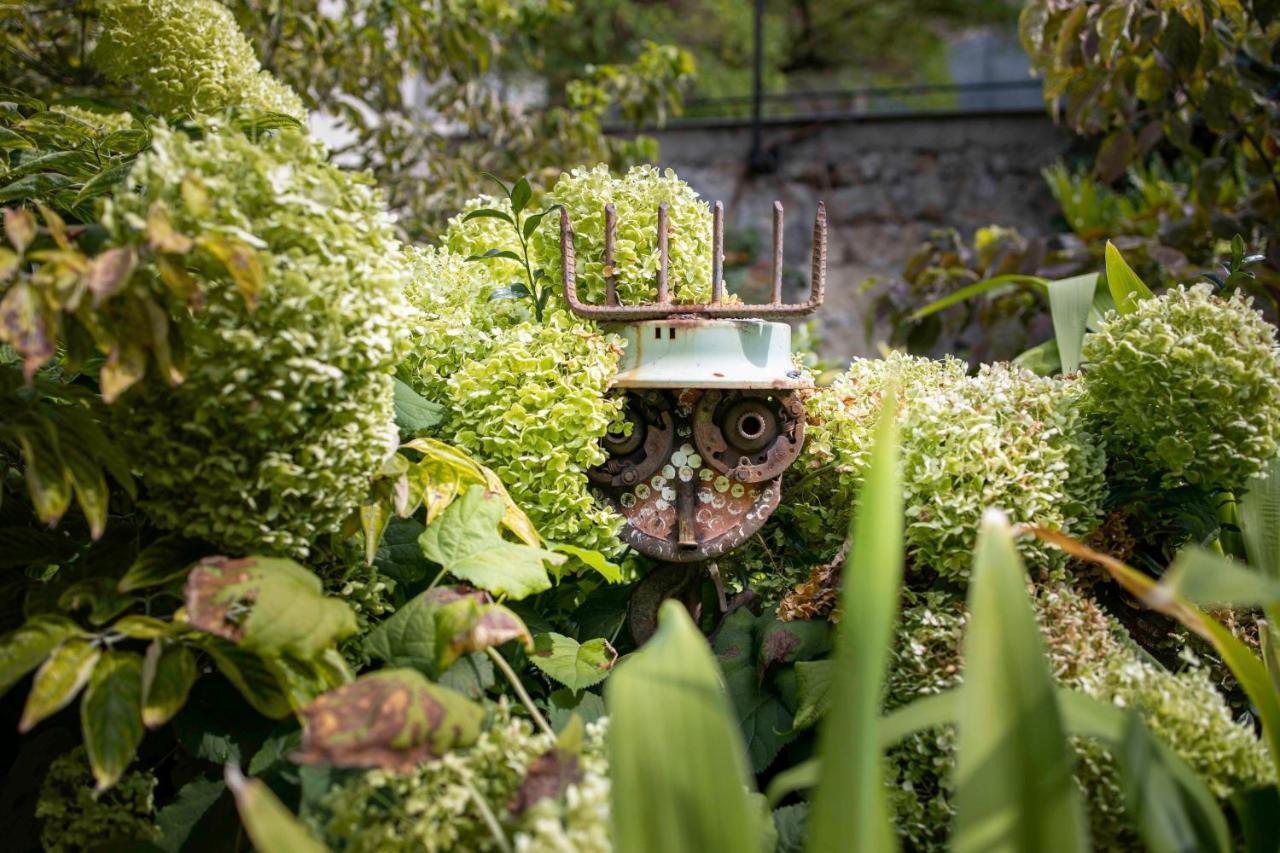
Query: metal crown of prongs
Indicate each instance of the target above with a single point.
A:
(712, 407)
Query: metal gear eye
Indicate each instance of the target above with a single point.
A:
(749, 435)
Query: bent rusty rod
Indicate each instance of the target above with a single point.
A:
(663, 308)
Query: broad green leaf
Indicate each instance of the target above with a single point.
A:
(399, 556)
(59, 679)
(1260, 519)
(271, 827)
(256, 682)
(393, 718)
(48, 481)
(26, 647)
(302, 681)
(814, 678)
(111, 716)
(1042, 359)
(588, 557)
(1125, 286)
(266, 604)
(573, 664)
(465, 541)
(849, 809)
(1014, 789)
(181, 818)
(414, 412)
(1070, 301)
(98, 595)
(1251, 673)
(164, 560)
(677, 761)
(34, 186)
(168, 671)
(765, 721)
(434, 629)
(976, 289)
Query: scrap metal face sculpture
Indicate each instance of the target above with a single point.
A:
(711, 399)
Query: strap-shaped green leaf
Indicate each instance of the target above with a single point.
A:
(1125, 286)
(849, 811)
(1014, 789)
(1070, 301)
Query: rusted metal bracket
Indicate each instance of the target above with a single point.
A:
(613, 311)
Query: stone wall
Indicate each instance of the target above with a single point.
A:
(887, 183)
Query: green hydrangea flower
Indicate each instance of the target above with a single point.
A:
(434, 809)
(527, 399)
(271, 438)
(1186, 389)
(186, 56)
(635, 196)
(73, 817)
(1005, 438)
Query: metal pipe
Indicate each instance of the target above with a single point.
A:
(717, 254)
(664, 297)
(776, 291)
(610, 274)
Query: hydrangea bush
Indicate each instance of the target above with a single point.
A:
(186, 56)
(635, 196)
(270, 440)
(1185, 386)
(1005, 438)
(74, 817)
(434, 807)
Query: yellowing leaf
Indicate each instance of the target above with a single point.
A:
(59, 680)
(24, 648)
(393, 719)
(241, 262)
(19, 227)
(270, 825)
(111, 716)
(168, 671)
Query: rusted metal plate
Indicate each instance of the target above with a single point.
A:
(678, 506)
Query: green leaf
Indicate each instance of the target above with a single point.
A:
(849, 809)
(764, 719)
(1125, 286)
(59, 679)
(573, 664)
(588, 557)
(399, 556)
(531, 223)
(1151, 796)
(164, 560)
(375, 514)
(1070, 301)
(168, 671)
(496, 253)
(288, 612)
(139, 627)
(182, 816)
(520, 195)
(111, 716)
(677, 761)
(434, 629)
(976, 289)
(393, 718)
(1210, 579)
(465, 541)
(256, 681)
(24, 648)
(815, 680)
(415, 413)
(516, 290)
(1014, 789)
(103, 182)
(271, 827)
(487, 213)
(1260, 519)
(34, 186)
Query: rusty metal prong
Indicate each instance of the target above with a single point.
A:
(776, 293)
(717, 254)
(610, 274)
(818, 271)
(567, 262)
(664, 298)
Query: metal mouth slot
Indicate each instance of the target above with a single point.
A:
(613, 311)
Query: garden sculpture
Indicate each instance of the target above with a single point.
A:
(713, 413)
